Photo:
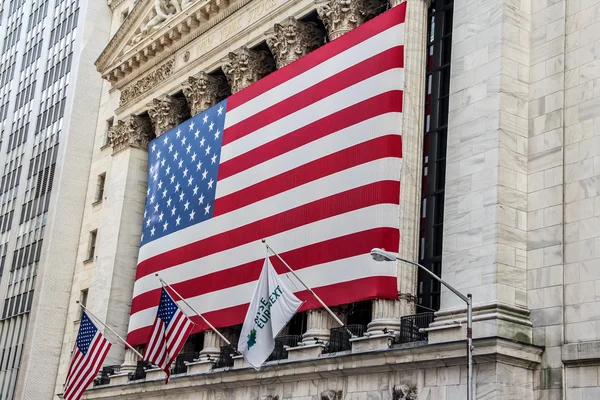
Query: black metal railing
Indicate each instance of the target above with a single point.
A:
(140, 370)
(410, 326)
(339, 338)
(179, 367)
(281, 342)
(225, 356)
(105, 373)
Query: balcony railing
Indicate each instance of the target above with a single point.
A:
(410, 325)
(281, 342)
(179, 366)
(105, 373)
(339, 338)
(225, 359)
(140, 370)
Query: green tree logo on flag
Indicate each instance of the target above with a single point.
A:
(252, 338)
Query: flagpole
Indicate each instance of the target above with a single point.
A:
(109, 328)
(192, 308)
(335, 317)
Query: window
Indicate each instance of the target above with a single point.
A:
(92, 245)
(109, 124)
(83, 295)
(100, 187)
(434, 152)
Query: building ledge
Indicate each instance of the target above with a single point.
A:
(584, 353)
(399, 357)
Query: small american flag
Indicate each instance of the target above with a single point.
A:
(168, 335)
(308, 157)
(91, 348)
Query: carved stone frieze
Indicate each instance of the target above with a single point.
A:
(404, 392)
(166, 112)
(163, 10)
(244, 67)
(331, 395)
(292, 39)
(134, 131)
(146, 83)
(341, 16)
(203, 91)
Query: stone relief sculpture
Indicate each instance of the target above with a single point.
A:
(404, 392)
(134, 131)
(167, 112)
(292, 39)
(146, 83)
(244, 67)
(341, 16)
(331, 395)
(203, 91)
(163, 10)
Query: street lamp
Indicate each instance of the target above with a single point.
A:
(382, 255)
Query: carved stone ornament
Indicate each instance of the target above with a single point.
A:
(167, 112)
(292, 39)
(162, 11)
(244, 67)
(341, 16)
(269, 397)
(203, 91)
(331, 395)
(134, 131)
(404, 392)
(146, 83)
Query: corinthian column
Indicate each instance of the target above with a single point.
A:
(203, 91)
(134, 131)
(244, 67)
(318, 325)
(341, 16)
(212, 345)
(292, 39)
(167, 112)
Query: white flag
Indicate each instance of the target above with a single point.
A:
(272, 306)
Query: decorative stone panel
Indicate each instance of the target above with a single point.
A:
(134, 131)
(203, 91)
(146, 83)
(167, 112)
(292, 39)
(341, 16)
(244, 67)
(404, 392)
(332, 395)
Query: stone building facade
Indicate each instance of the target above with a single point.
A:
(500, 194)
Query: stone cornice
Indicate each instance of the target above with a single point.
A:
(415, 355)
(113, 4)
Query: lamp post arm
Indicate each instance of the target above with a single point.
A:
(437, 278)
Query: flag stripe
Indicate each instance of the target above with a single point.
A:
(334, 294)
(359, 40)
(387, 81)
(319, 253)
(379, 63)
(364, 196)
(84, 367)
(381, 109)
(97, 361)
(381, 147)
(364, 219)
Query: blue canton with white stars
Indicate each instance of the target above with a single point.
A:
(87, 331)
(166, 308)
(182, 178)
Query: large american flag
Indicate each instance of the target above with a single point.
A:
(309, 158)
(168, 334)
(91, 348)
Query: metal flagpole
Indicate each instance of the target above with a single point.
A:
(192, 308)
(335, 317)
(109, 328)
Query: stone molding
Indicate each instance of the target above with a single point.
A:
(244, 67)
(292, 39)
(134, 131)
(341, 16)
(581, 354)
(146, 83)
(400, 357)
(166, 112)
(203, 91)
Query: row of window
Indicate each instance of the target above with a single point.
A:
(12, 36)
(54, 113)
(25, 95)
(32, 52)
(57, 71)
(38, 14)
(66, 25)
(26, 255)
(14, 6)
(41, 169)
(18, 134)
(7, 70)
(18, 304)
(10, 180)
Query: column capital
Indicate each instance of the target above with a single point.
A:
(166, 112)
(203, 91)
(132, 131)
(292, 39)
(244, 67)
(341, 16)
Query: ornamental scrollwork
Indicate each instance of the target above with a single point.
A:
(292, 39)
(146, 83)
(134, 131)
(244, 67)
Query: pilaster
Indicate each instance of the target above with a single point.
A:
(244, 67)
(203, 91)
(166, 112)
(292, 39)
(341, 16)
